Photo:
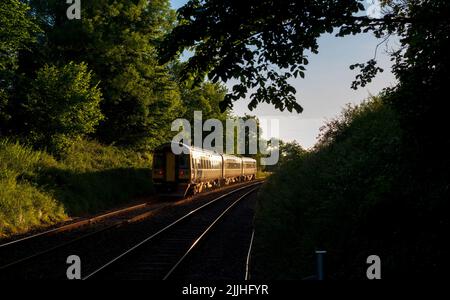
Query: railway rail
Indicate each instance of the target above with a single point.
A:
(115, 219)
(249, 257)
(159, 255)
(72, 225)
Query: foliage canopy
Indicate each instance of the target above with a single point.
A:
(263, 44)
(62, 106)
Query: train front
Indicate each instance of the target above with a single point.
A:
(171, 173)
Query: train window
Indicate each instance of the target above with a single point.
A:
(184, 161)
(158, 160)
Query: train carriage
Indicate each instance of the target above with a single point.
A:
(249, 168)
(171, 173)
(207, 169)
(232, 169)
(197, 169)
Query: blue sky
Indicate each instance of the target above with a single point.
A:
(326, 89)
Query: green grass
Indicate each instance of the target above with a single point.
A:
(263, 174)
(38, 190)
(356, 194)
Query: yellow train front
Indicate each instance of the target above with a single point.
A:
(197, 169)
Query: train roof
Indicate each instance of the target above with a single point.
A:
(189, 149)
(192, 149)
(248, 159)
(228, 156)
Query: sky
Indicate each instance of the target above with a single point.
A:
(325, 91)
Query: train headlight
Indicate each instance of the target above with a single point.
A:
(183, 174)
(159, 172)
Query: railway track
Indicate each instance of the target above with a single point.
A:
(159, 255)
(32, 247)
(72, 226)
(19, 265)
(249, 257)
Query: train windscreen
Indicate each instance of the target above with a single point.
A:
(184, 161)
(158, 161)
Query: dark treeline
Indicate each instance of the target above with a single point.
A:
(378, 180)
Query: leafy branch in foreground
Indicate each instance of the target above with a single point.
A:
(263, 44)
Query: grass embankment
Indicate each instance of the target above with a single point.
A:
(358, 193)
(262, 174)
(38, 190)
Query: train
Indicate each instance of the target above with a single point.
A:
(197, 169)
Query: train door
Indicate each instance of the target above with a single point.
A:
(170, 166)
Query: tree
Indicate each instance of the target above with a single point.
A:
(205, 98)
(17, 31)
(422, 66)
(62, 106)
(263, 43)
(260, 43)
(116, 39)
(290, 151)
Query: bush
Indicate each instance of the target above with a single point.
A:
(3, 103)
(354, 195)
(23, 205)
(38, 190)
(62, 106)
(92, 177)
